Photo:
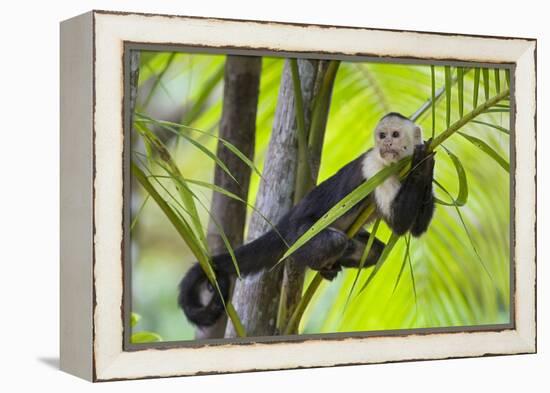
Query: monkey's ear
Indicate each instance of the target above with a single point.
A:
(417, 135)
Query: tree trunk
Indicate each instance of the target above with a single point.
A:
(293, 279)
(256, 298)
(237, 126)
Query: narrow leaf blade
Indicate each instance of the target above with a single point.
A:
(364, 256)
(460, 85)
(462, 197)
(387, 250)
(497, 80)
(403, 263)
(484, 147)
(485, 72)
(476, 86)
(448, 95)
(432, 70)
(496, 127)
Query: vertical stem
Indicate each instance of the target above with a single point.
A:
(237, 126)
(323, 96)
(296, 316)
(304, 171)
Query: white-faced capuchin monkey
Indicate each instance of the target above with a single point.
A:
(406, 205)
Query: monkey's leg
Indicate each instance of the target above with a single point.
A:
(321, 252)
(407, 204)
(424, 217)
(356, 248)
(427, 206)
(353, 254)
(331, 272)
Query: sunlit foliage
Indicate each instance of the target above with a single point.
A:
(458, 274)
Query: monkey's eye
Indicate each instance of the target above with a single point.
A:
(382, 135)
(395, 134)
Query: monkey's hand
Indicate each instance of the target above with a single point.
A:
(422, 166)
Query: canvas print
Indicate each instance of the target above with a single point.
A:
(286, 197)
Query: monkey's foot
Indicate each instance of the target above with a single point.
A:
(331, 272)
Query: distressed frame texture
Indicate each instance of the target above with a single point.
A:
(94, 170)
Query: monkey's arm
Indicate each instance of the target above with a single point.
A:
(413, 206)
(427, 206)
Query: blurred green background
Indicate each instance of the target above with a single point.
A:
(451, 282)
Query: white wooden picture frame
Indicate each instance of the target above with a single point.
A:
(93, 49)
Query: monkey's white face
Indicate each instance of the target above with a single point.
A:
(395, 138)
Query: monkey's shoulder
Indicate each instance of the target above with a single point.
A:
(328, 193)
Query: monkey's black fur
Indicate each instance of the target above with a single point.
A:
(327, 252)
(395, 114)
(413, 206)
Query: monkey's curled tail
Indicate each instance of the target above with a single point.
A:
(200, 302)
